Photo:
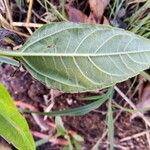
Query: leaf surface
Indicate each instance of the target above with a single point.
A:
(13, 126)
(79, 57)
(8, 60)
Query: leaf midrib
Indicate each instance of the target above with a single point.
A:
(25, 54)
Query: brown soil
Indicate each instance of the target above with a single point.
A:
(91, 126)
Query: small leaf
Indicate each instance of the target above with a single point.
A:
(69, 146)
(13, 126)
(77, 145)
(78, 137)
(60, 126)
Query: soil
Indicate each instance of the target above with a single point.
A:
(91, 126)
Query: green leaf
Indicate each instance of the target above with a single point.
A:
(92, 98)
(76, 145)
(110, 124)
(13, 126)
(61, 131)
(10, 61)
(78, 138)
(41, 142)
(69, 146)
(79, 57)
(79, 110)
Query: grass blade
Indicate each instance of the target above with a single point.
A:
(110, 124)
(80, 110)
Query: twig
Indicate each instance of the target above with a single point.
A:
(29, 14)
(124, 97)
(147, 136)
(145, 75)
(134, 136)
(29, 30)
(56, 11)
(53, 93)
(20, 33)
(100, 140)
(29, 11)
(32, 108)
(118, 146)
(54, 140)
(132, 105)
(23, 24)
(4, 21)
(17, 47)
(48, 109)
(2, 6)
(39, 17)
(137, 87)
(8, 11)
(136, 1)
(25, 105)
(9, 27)
(40, 122)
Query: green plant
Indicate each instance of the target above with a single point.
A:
(139, 22)
(61, 131)
(79, 57)
(72, 138)
(13, 126)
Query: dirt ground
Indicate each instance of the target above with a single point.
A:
(91, 126)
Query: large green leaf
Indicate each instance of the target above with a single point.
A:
(80, 57)
(13, 126)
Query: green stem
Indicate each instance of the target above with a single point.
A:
(7, 53)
